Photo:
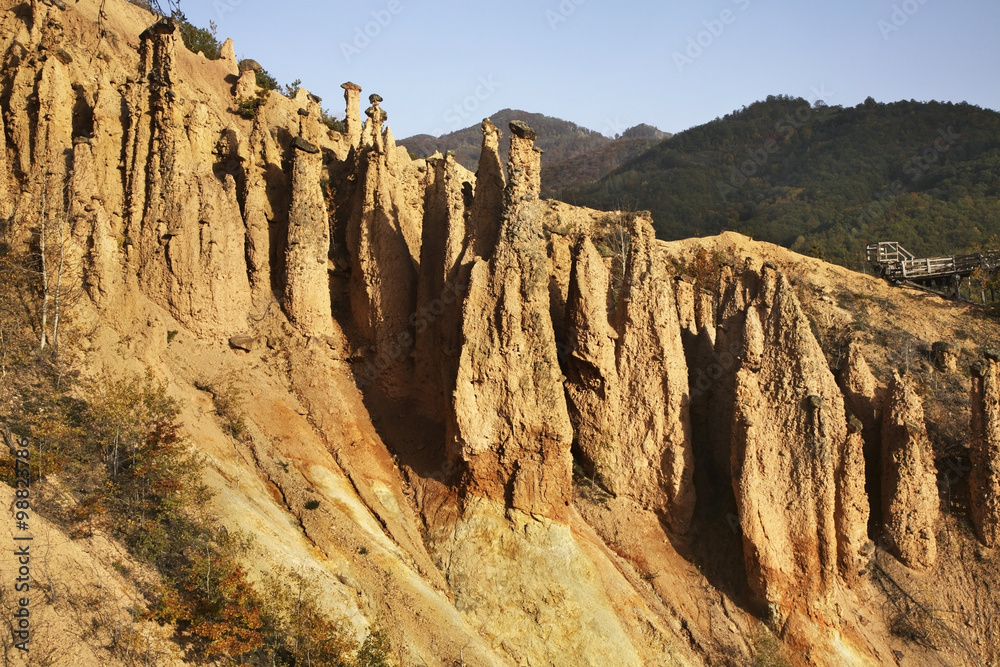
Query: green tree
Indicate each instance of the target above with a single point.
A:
(824, 178)
(292, 89)
(198, 39)
(266, 81)
(150, 491)
(331, 121)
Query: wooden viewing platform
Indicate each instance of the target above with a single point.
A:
(896, 264)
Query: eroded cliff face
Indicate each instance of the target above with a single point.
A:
(795, 472)
(713, 377)
(864, 399)
(182, 218)
(307, 288)
(864, 396)
(383, 241)
(628, 380)
(853, 510)
(512, 428)
(984, 484)
(262, 208)
(483, 332)
(442, 283)
(162, 190)
(910, 505)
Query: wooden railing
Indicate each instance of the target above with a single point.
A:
(886, 252)
(896, 263)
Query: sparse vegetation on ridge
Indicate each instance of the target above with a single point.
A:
(247, 107)
(331, 121)
(198, 40)
(616, 242)
(266, 82)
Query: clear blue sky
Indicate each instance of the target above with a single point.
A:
(607, 65)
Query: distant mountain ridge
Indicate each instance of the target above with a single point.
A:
(820, 179)
(644, 131)
(573, 156)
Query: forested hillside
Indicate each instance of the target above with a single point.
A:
(822, 179)
(592, 165)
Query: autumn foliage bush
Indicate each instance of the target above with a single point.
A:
(134, 477)
(109, 456)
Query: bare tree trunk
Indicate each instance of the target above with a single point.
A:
(115, 454)
(45, 272)
(59, 276)
(620, 242)
(8, 440)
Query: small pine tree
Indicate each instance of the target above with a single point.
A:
(198, 39)
(292, 89)
(332, 122)
(266, 81)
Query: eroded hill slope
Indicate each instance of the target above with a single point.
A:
(501, 428)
